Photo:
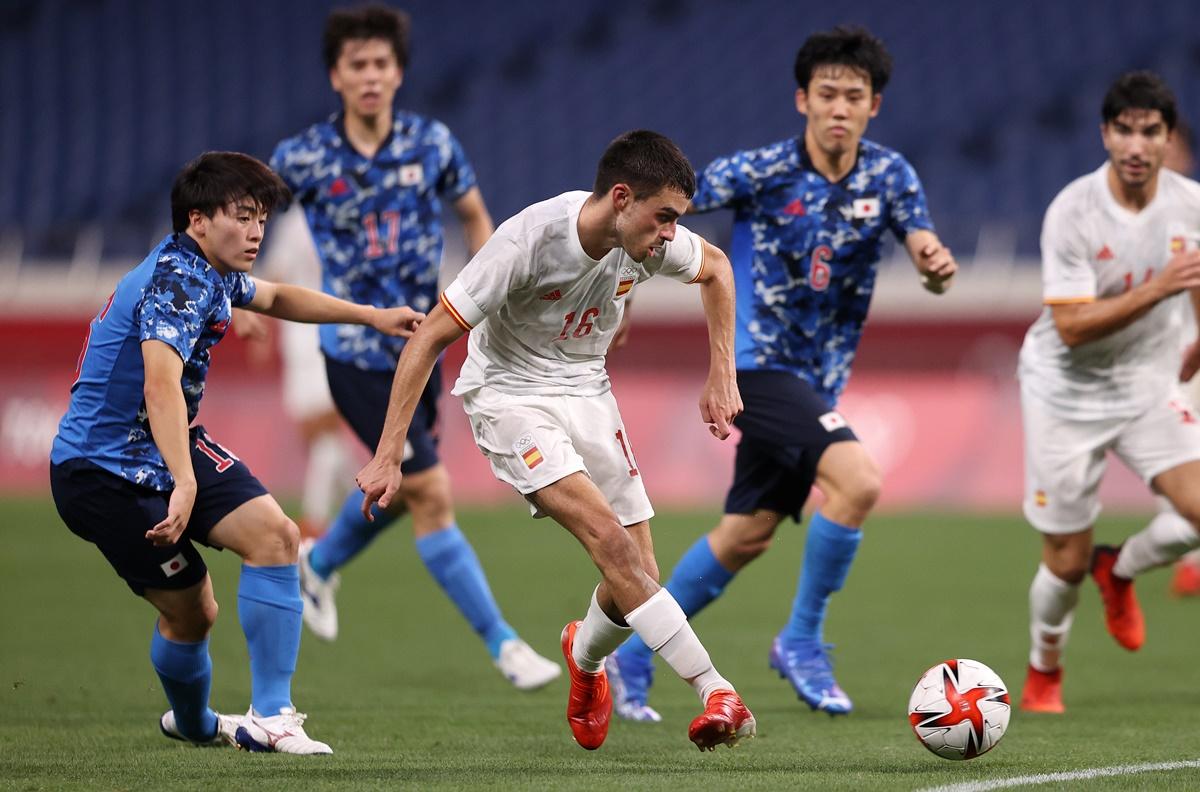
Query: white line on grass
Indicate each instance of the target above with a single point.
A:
(1073, 775)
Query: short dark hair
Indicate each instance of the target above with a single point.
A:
(647, 162)
(216, 179)
(849, 46)
(365, 22)
(1139, 90)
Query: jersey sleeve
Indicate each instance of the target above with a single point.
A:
(499, 268)
(683, 258)
(726, 182)
(1067, 274)
(173, 306)
(241, 289)
(907, 209)
(456, 177)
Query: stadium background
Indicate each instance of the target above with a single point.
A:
(101, 101)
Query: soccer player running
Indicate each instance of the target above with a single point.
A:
(1100, 372)
(810, 215)
(369, 180)
(542, 301)
(128, 475)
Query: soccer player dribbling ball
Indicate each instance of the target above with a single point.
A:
(128, 475)
(542, 302)
(810, 216)
(1100, 372)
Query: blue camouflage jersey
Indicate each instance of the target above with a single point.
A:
(804, 252)
(376, 222)
(174, 296)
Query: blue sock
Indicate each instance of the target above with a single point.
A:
(269, 607)
(348, 536)
(185, 670)
(696, 580)
(451, 560)
(828, 552)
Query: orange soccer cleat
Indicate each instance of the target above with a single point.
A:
(725, 720)
(1186, 580)
(1122, 614)
(1043, 691)
(589, 703)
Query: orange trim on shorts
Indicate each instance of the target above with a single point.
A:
(454, 314)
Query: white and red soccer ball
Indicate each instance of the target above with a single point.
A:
(959, 709)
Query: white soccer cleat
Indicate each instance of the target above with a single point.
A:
(226, 730)
(282, 733)
(320, 610)
(525, 668)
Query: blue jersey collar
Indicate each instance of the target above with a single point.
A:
(339, 126)
(806, 163)
(185, 241)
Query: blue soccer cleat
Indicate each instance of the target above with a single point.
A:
(630, 675)
(806, 665)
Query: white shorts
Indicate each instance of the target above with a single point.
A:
(1065, 459)
(305, 386)
(534, 441)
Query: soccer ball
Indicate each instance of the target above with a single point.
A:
(959, 709)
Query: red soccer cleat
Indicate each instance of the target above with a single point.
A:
(1186, 580)
(1043, 691)
(725, 720)
(1122, 614)
(589, 704)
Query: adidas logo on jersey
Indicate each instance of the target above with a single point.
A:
(795, 208)
(552, 295)
(1105, 254)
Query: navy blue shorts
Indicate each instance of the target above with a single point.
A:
(785, 427)
(362, 399)
(114, 514)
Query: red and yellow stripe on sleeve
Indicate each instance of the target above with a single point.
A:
(454, 314)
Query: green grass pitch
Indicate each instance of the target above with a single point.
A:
(408, 698)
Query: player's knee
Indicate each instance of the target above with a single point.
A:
(189, 624)
(611, 546)
(749, 547)
(279, 540)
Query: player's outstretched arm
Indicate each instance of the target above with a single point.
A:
(933, 260)
(720, 401)
(380, 479)
(298, 304)
(1079, 323)
(475, 219)
(167, 413)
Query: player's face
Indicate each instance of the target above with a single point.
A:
(644, 224)
(1136, 142)
(838, 103)
(367, 75)
(231, 237)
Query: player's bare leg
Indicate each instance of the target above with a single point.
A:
(850, 481)
(452, 562)
(629, 598)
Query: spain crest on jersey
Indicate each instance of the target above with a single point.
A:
(625, 282)
(527, 449)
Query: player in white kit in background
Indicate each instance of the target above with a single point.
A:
(1100, 371)
(542, 301)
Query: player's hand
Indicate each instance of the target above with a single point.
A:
(179, 511)
(1182, 272)
(720, 403)
(379, 482)
(402, 321)
(622, 335)
(937, 266)
(1191, 362)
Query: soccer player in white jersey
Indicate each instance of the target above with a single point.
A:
(1099, 371)
(542, 301)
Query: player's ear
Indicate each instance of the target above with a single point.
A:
(876, 101)
(622, 196)
(197, 221)
(802, 101)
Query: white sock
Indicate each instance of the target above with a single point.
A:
(327, 459)
(1051, 610)
(1166, 538)
(661, 623)
(596, 638)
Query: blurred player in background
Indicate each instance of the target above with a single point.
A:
(129, 476)
(1185, 582)
(810, 215)
(1100, 371)
(542, 301)
(369, 180)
